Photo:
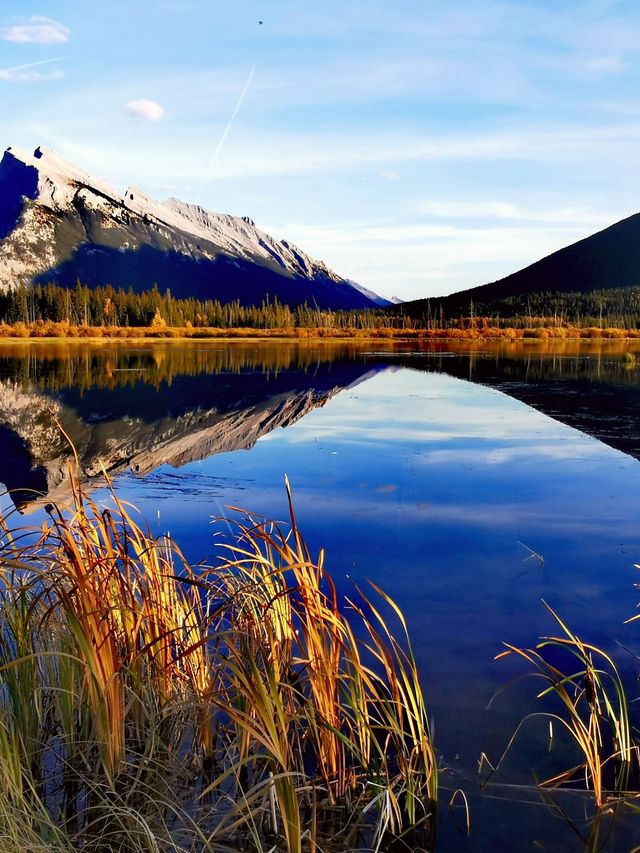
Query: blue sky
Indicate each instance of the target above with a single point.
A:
(417, 147)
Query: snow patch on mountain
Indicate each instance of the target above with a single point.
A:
(59, 180)
(30, 248)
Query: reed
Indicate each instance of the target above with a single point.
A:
(592, 708)
(148, 704)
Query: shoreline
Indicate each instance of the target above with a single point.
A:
(119, 334)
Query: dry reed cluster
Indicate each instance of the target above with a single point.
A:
(149, 705)
(590, 707)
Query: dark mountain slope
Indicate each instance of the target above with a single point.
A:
(607, 260)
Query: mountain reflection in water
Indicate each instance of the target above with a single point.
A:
(135, 407)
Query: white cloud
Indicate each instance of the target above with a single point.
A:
(143, 108)
(14, 76)
(297, 152)
(473, 209)
(568, 216)
(415, 259)
(36, 29)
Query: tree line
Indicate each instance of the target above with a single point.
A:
(107, 306)
(605, 308)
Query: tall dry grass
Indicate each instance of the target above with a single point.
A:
(589, 705)
(146, 704)
(464, 329)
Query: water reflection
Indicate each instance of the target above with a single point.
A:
(593, 389)
(137, 408)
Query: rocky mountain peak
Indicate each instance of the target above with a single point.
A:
(58, 223)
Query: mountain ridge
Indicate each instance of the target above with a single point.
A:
(58, 224)
(609, 259)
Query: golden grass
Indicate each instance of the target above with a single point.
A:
(591, 706)
(478, 329)
(148, 704)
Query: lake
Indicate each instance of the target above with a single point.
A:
(470, 483)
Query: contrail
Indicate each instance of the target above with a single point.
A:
(30, 65)
(216, 153)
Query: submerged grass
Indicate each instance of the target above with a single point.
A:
(149, 705)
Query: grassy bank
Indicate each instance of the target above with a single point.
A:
(62, 330)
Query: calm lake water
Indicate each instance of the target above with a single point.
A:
(469, 484)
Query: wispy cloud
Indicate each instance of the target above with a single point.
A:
(27, 72)
(297, 153)
(568, 216)
(36, 29)
(605, 64)
(142, 108)
(419, 258)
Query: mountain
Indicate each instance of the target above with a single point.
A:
(58, 224)
(606, 261)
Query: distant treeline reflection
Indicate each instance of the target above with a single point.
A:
(611, 364)
(54, 366)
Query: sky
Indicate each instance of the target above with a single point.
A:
(417, 147)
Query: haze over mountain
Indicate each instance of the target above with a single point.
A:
(59, 224)
(607, 260)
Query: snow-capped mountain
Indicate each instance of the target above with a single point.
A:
(59, 224)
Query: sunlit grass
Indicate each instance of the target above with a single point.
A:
(591, 707)
(147, 704)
